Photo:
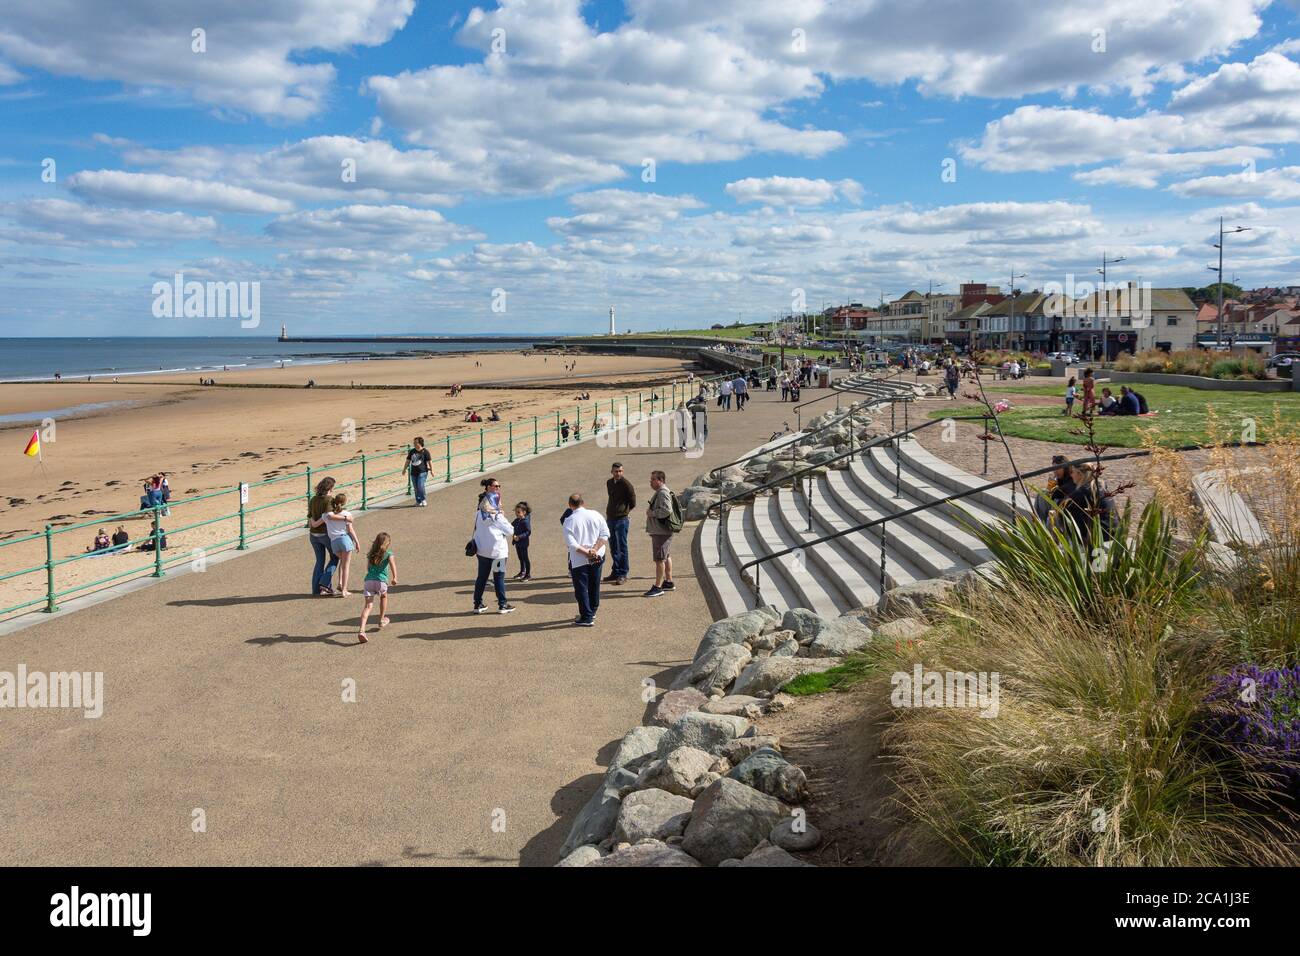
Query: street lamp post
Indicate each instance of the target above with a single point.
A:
(1219, 245)
(1105, 319)
(1011, 297)
(929, 314)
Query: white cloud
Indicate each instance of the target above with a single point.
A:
(982, 216)
(156, 189)
(250, 65)
(1280, 183)
(62, 222)
(392, 227)
(1147, 169)
(793, 191)
(8, 75)
(611, 211)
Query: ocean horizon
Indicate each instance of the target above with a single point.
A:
(38, 359)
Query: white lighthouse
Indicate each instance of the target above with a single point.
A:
(611, 320)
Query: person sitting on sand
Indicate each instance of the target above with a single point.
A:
(473, 416)
(102, 541)
(120, 537)
(148, 543)
(493, 416)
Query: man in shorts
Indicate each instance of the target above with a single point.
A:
(661, 534)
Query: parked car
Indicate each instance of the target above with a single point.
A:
(1283, 359)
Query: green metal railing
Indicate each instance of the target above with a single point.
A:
(377, 478)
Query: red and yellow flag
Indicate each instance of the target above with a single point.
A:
(33, 445)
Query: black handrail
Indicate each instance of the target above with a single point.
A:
(837, 392)
(798, 437)
(809, 469)
(908, 512)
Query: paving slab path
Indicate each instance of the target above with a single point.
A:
(225, 737)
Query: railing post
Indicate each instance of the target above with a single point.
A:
(510, 440)
(810, 488)
(893, 404)
(986, 445)
(157, 537)
(480, 450)
(884, 530)
(310, 490)
(50, 606)
(577, 421)
(907, 415)
(557, 429)
(449, 458)
(898, 469)
(722, 517)
(243, 545)
(758, 584)
(363, 482)
(535, 445)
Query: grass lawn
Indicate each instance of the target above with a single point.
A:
(1181, 417)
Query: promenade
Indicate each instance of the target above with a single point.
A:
(472, 739)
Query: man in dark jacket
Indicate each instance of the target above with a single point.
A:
(622, 501)
(1128, 402)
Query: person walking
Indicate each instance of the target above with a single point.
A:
(724, 396)
(663, 520)
(621, 503)
(523, 525)
(951, 378)
(343, 539)
(699, 410)
(326, 559)
(587, 534)
(381, 571)
(418, 463)
(492, 534)
(741, 390)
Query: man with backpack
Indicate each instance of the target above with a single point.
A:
(663, 520)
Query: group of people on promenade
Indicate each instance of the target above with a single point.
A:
(594, 541)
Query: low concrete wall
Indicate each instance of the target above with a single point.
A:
(1196, 381)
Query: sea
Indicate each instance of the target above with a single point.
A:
(39, 359)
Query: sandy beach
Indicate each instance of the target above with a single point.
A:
(211, 439)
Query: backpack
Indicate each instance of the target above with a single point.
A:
(675, 518)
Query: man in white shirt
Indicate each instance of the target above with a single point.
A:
(724, 396)
(586, 533)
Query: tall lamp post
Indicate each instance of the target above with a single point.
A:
(1105, 319)
(1011, 297)
(1219, 246)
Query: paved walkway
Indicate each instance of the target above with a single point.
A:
(473, 739)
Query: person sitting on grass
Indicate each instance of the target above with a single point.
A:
(1109, 406)
(1128, 402)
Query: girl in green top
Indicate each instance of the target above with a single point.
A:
(381, 570)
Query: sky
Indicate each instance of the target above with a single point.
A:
(388, 166)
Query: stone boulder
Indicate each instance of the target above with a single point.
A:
(637, 742)
(678, 773)
(729, 820)
(737, 705)
(595, 821)
(768, 855)
(703, 731)
(916, 599)
(805, 624)
(766, 676)
(652, 814)
(787, 648)
(736, 751)
(787, 837)
(736, 629)
(582, 856)
(843, 636)
(647, 853)
(697, 500)
(715, 670)
(767, 771)
(673, 704)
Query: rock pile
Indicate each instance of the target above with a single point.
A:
(698, 785)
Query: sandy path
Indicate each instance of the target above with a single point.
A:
(224, 693)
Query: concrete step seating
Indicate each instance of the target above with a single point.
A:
(838, 575)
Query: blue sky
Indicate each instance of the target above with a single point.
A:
(797, 148)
